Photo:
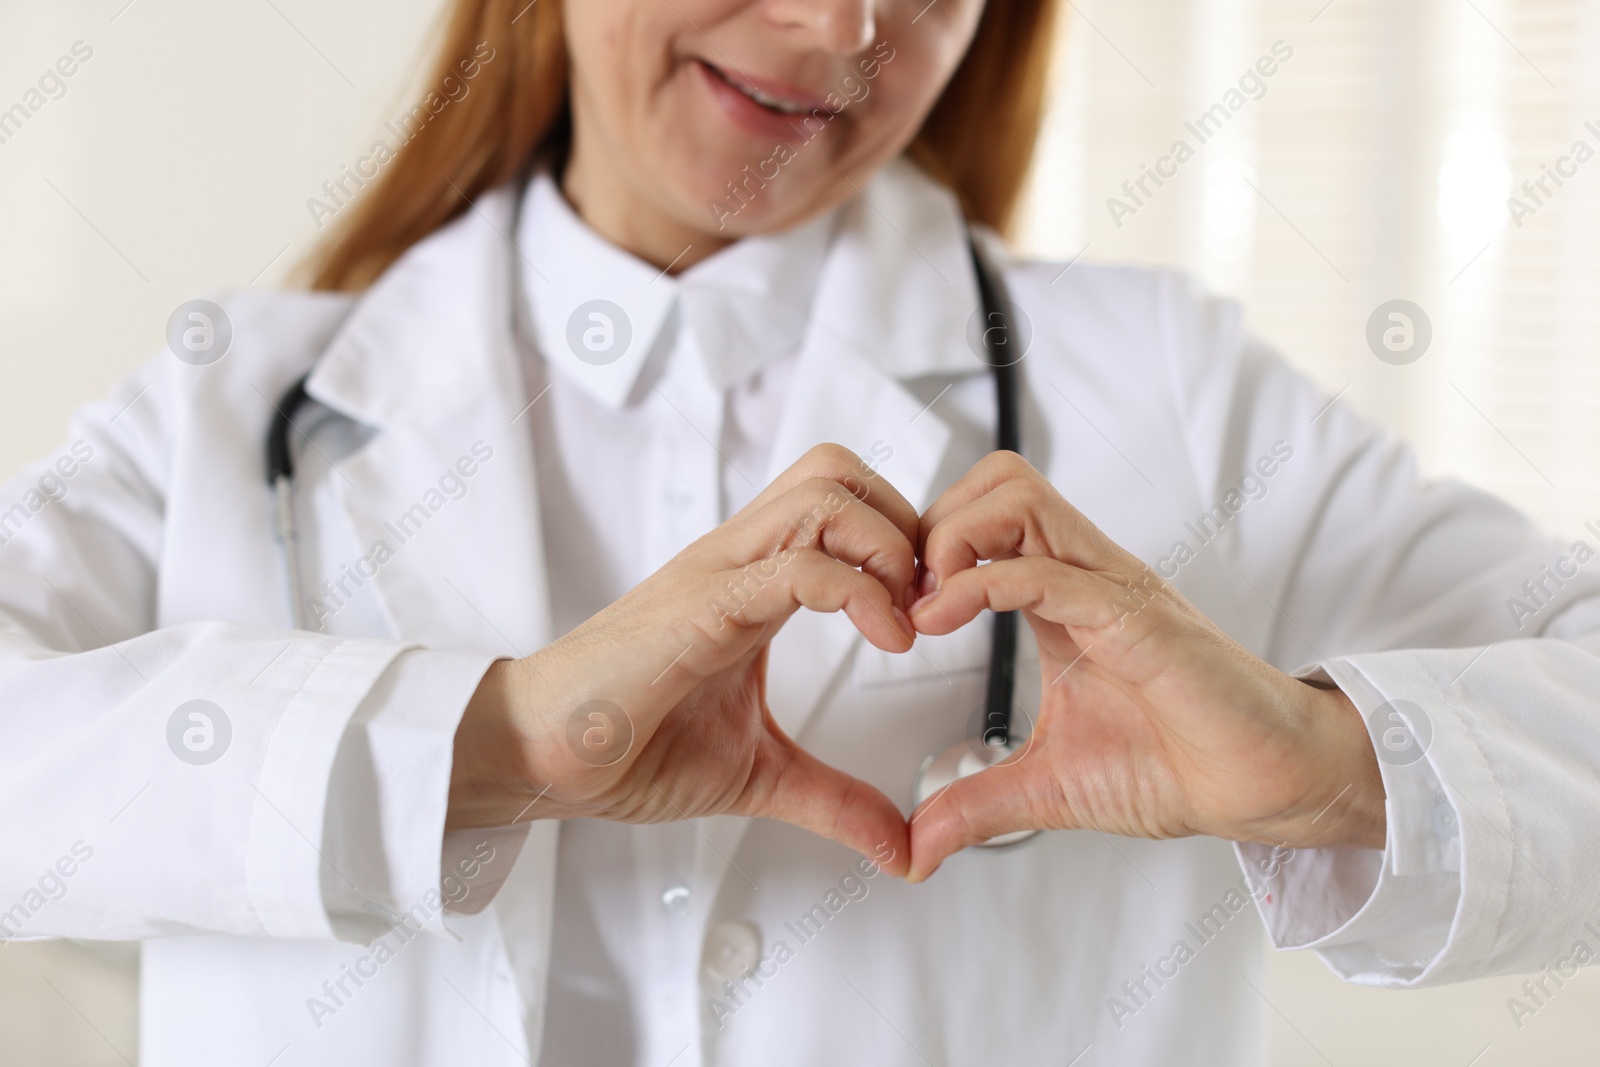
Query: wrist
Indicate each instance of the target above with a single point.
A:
(490, 783)
(1346, 808)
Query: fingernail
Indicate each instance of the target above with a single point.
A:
(927, 585)
(905, 623)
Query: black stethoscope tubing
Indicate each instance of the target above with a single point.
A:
(997, 340)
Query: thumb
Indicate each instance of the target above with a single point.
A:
(824, 800)
(971, 810)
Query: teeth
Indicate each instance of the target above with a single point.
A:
(766, 100)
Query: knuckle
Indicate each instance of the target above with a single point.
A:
(1027, 495)
(819, 487)
(808, 567)
(1006, 464)
(938, 548)
(817, 502)
(1037, 482)
(834, 457)
(1013, 461)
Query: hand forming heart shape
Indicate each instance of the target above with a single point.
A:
(1153, 722)
(655, 708)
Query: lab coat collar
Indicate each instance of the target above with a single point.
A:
(746, 305)
(427, 357)
(890, 274)
(432, 335)
(899, 287)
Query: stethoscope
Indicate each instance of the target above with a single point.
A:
(995, 742)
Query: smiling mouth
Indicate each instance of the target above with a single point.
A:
(776, 104)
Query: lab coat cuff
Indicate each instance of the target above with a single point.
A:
(1385, 918)
(284, 862)
(391, 792)
(476, 863)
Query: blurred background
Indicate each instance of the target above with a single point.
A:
(1377, 163)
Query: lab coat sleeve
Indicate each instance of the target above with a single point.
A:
(1468, 640)
(209, 777)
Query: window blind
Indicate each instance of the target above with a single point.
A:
(1377, 162)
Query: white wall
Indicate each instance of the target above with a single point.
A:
(180, 160)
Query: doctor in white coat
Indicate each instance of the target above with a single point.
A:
(641, 491)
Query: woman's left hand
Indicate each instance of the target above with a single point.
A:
(1153, 722)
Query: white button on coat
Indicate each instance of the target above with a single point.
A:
(733, 948)
(676, 900)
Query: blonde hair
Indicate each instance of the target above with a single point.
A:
(978, 139)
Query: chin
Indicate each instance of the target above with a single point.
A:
(735, 198)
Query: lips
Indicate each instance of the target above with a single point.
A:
(771, 95)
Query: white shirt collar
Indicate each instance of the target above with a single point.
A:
(597, 311)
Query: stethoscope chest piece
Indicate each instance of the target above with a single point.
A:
(961, 760)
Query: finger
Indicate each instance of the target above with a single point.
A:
(971, 810)
(1020, 516)
(824, 800)
(985, 476)
(860, 479)
(814, 580)
(1055, 591)
(820, 513)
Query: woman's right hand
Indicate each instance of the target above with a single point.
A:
(655, 708)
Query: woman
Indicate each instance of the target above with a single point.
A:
(666, 330)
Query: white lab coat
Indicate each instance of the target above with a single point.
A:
(149, 578)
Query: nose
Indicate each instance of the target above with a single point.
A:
(843, 27)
